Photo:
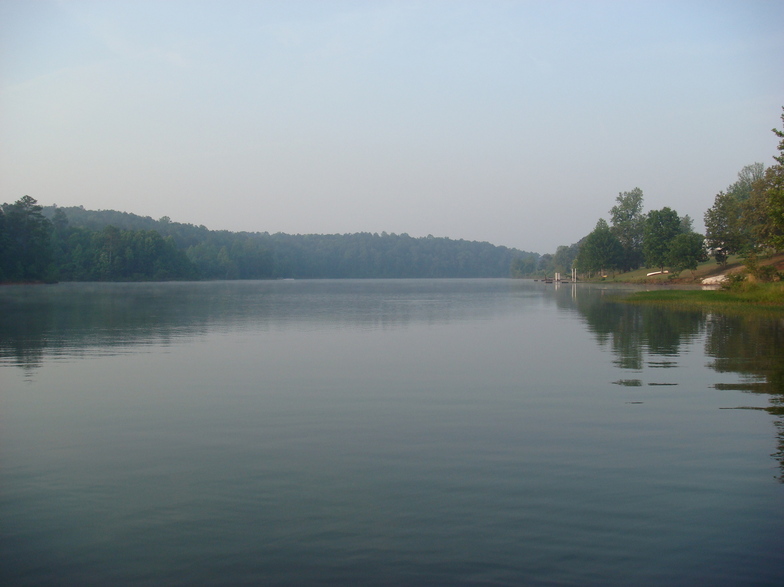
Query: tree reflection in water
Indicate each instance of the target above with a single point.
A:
(37, 322)
(636, 331)
(750, 345)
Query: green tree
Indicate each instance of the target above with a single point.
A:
(731, 223)
(756, 218)
(600, 251)
(687, 250)
(59, 238)
(661, 227)
(724, 229)
(546, 264)
(564, 257)
(25, 242)
(107, 244)
(773, 186)
(228, 267)
(741, 189)
(523, 266)
(627, 221)
(762, 213)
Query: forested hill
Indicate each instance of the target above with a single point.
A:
(110, 245)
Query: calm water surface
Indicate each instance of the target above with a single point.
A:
(489, 432)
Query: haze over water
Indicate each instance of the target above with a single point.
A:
(384, 432)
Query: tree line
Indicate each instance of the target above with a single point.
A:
(74, 244)
(746, 219)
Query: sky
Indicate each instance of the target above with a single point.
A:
(512, 122)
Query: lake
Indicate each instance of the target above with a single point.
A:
(385, 432)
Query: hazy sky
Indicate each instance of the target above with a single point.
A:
(512, 122)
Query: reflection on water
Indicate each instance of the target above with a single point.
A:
(752, 346)
(635, 332)
(74, 319)
(640, 336)
(372, 432)
(628, 382)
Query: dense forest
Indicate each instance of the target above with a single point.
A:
(73, 244)
(746, 219)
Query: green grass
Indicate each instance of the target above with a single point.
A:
(706, 269)
(744, 296)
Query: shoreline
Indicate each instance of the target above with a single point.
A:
(750, 297)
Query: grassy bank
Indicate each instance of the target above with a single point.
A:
(707, 269)
(742, 297)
